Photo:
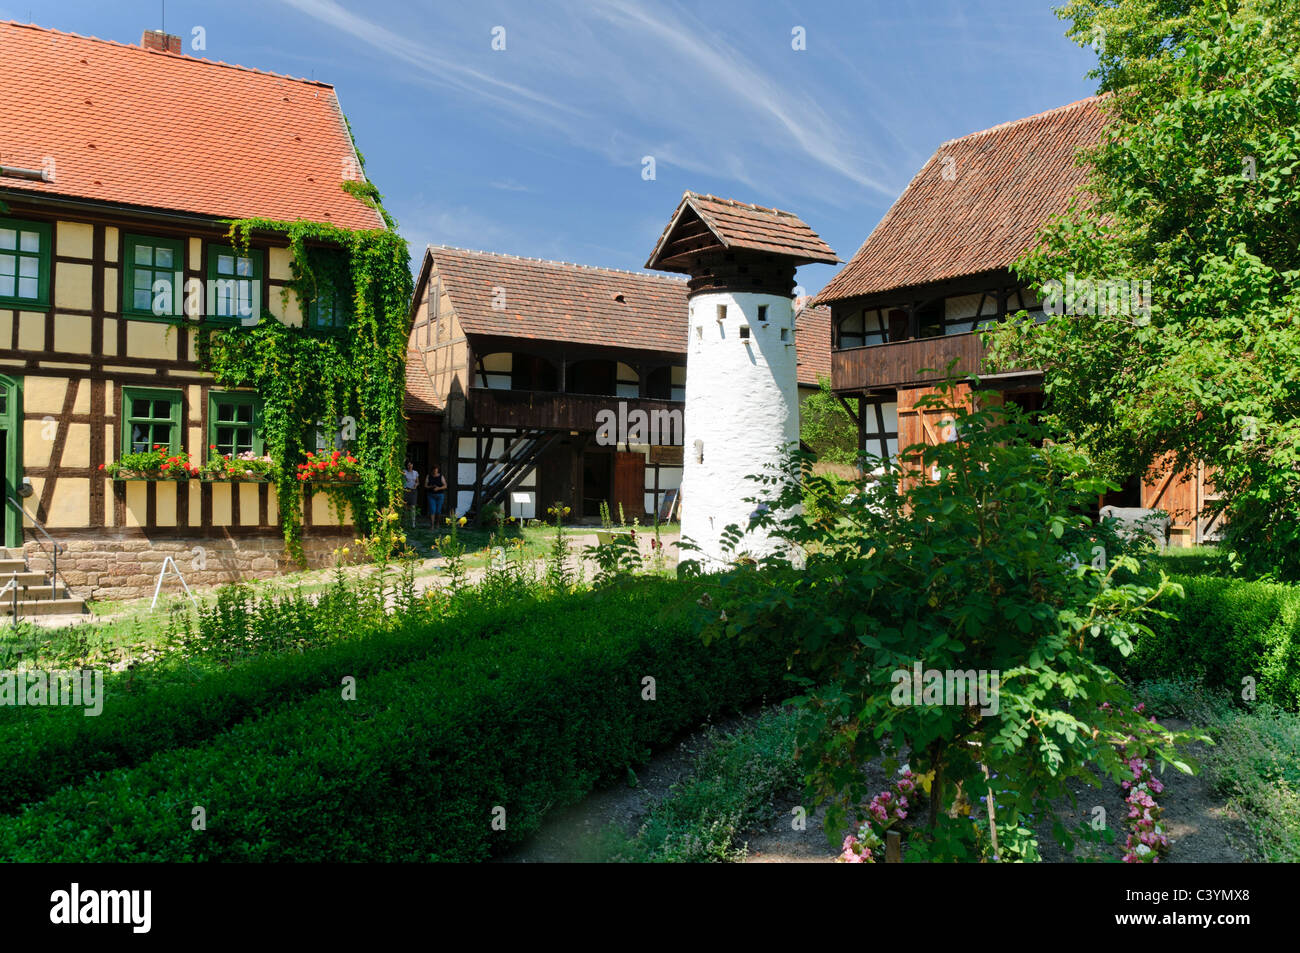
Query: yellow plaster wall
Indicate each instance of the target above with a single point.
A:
(76, 239)
(73, 286)
(72, 333)
(31, 331)
(150, 341)
(166, 502)
(221, 504)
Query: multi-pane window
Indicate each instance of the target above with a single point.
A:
(235, 284)
(234, 423)
(152, 278)
(327, 311)
(24, 262)
(150, 418)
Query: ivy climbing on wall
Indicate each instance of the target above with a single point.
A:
(310, 379)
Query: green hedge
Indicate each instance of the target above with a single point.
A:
(1227, 630)
(529, 720)
(43, 749)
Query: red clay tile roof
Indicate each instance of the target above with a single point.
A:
(148, 128)
(812, 338)
(749, 227)
(1003, 184)
(557, 301)
(420, 396)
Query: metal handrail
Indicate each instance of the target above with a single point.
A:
(55, 546)
(12, 584)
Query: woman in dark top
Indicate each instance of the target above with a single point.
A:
(436, 487)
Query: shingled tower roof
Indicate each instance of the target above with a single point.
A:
(706, 222)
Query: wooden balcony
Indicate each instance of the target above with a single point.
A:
(548, 410)
(884, 366)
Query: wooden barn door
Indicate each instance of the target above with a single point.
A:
(925, 425)
(629, 484)
(1175, 492)
(557, 479)
(1209, 529)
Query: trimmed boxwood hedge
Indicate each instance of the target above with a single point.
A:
(46, 748)
(1227, 630)
(527, 720)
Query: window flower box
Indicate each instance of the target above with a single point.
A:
(331, 469)
(246, 467)
(157, 465)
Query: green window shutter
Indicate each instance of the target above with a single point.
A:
(151, 417)
(235, 423)
(25, 252)
(147, 261)
(234, 293)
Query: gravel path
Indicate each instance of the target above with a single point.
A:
(1201, 828)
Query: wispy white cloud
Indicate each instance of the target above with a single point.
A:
(796, 117)
(623, 79)
(428, 65)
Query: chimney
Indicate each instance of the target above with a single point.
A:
(158, 40)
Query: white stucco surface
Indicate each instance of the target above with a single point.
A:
(742, 409)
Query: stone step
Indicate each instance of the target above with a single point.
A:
(46, 607)
(8, 566)
(41, 589)
(28, 577)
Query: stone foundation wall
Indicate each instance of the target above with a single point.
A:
(128, 568)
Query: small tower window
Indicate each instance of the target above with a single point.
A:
(762, 312)
(785, 334)
(699, 332)
(744, 330)
(722, 313)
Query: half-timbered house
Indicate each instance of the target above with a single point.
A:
(936, 271)
(515, 363)
(121, 165)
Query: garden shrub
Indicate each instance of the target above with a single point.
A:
(47, 747)
(972, 562)
(1223, 632)
(527, 718)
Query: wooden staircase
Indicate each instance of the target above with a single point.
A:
(501, 475)
(33, 592)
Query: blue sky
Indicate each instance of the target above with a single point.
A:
(538, 149)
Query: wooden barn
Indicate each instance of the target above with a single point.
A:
(936, 271)
(515, 363)
(120, 165)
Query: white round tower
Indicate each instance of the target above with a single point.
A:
(742, 398)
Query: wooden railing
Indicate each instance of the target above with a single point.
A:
(898, 363)
(548, 410)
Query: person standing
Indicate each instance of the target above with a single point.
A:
(411, 482)
(435, 485)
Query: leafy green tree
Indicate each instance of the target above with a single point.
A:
(974, 558)
(1194, 189)
(826, 427)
